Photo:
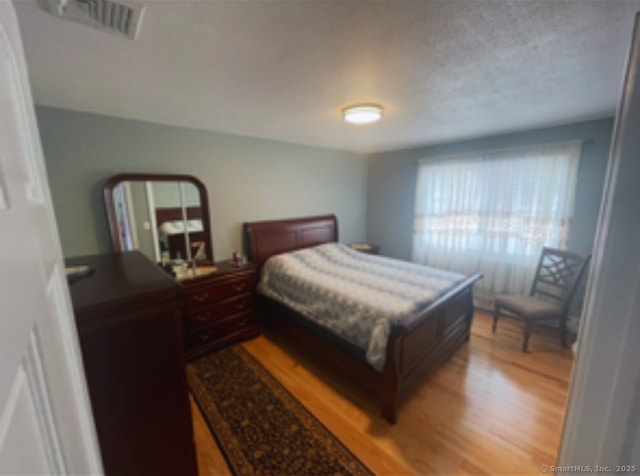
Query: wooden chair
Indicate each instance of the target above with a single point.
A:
(554, 285)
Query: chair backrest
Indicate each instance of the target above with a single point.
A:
(558, 275)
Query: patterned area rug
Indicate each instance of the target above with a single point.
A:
(261, 428)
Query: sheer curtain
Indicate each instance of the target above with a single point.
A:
(493, 212)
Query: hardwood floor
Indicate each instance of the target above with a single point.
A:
(490, 410)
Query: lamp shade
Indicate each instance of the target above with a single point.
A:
(362, 113)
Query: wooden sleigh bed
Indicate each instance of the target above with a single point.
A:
(415, 348)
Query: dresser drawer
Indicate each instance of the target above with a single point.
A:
(209, 315)
(215, 292)
(219, 330)
(220, 308)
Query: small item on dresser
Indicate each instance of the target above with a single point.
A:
(180, 270)
(168, 269)
(165, 263)
(178, 259)
(199, 254)
(236, 258)
(179, 266)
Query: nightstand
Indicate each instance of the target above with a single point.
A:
(220, 307)
(365, 248)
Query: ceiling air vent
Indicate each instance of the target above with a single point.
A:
(122, 18)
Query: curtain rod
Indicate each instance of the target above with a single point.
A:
(582, 142)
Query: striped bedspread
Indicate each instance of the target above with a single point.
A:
(354, 295)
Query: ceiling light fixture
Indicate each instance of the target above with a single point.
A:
(362, 113)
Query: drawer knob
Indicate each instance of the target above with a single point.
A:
(203, 316)
(241, 305)
(205, 336)
(201, 297)
(239, 287)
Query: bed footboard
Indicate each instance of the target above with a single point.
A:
(421, 345)
(415, 349)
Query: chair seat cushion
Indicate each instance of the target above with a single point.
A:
(529, 306)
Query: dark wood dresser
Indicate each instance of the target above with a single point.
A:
(220, 307)
(129, 322)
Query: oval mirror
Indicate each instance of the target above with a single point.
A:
(166, 217)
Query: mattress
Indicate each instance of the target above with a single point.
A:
(355, 296)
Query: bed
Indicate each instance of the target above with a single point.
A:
(416, 341)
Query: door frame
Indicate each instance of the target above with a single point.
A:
(602, 423)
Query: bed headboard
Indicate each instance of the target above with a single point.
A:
(267, 238)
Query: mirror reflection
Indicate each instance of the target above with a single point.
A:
(165, 219)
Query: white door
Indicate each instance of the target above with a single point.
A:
(45, 420)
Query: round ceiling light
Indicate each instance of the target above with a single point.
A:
(362, 113)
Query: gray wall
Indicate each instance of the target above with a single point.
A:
(248, 179)
(392, 182)
(253, 179)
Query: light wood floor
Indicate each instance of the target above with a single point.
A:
(490, 410)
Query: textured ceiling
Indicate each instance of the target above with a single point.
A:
(283, 70)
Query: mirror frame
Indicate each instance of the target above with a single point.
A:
(116, 180)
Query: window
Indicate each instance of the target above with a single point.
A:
(493, 212)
